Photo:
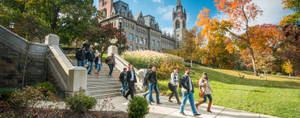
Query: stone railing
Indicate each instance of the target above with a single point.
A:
(122, 63)
(36, 62)
(69, 77)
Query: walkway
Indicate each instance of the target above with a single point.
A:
(171, 110)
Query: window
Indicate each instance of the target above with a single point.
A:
(152, 43)
(142, 41)
(130, 37)
(137, 39)
(157, 44)
(177, 24)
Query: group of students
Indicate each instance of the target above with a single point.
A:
(128, 79)
(86, 56)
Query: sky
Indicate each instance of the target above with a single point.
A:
(273, 11)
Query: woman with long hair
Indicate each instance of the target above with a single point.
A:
(205, 91)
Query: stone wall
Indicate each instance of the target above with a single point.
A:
(18, 56)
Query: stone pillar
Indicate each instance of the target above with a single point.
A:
(112, 49)
(77, 79)
(52, 39)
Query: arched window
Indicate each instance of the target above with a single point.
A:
(105, 12)
(177, 24)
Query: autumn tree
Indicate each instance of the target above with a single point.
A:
(190, 44)
(293, 18)
(288, 67)
(239, 14)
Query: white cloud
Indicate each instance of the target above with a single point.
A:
(273, 12)
(168, 30)
(166, 12)
(158, 1)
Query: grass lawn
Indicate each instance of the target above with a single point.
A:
(276, 96)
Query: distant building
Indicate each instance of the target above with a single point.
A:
(143, 32)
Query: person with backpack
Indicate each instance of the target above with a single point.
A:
(205, 91)
(146, 82)
(122, 79)
(80, 56)
(110, 61)
(187, 89)
(153, 85)
(173, 85)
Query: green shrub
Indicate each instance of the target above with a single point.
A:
(138, 108)
(47, 88)
(5, 93)
(80, 103)
(273, 73)
(20, 99)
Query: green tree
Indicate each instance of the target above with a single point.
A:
(293, 18)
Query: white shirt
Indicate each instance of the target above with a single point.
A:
(99, 60)
(174, 79)
(205, 86)
(132, 76)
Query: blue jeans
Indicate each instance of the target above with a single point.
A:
(189, 96)
(99, 67)
(124, 88)
(111, 68)
(80, 62)
(155, 87)
(207, 96)
(90, 67)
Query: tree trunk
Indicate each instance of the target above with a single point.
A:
(253, 60)
(289, 74)
(191, 62)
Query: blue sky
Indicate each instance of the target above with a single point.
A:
(162, 10)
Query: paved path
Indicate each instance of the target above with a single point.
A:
(171, 110)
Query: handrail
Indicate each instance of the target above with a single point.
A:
(61, 58)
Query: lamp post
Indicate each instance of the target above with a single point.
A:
(120, 28)
(11, 25)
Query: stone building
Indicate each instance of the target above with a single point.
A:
(142, 31)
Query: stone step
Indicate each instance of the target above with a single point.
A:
(107, 95)
(101, 92)
(91, 88)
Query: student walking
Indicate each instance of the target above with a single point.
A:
(98, 64)
(90, 58)
(187, 92)
(80, 56)
(173, 85)
(205, 91)
(111, 63)
(153, 85)
(146, 82)
(122, 79)
(131, 80)
(87, 46)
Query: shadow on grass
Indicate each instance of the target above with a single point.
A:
(230, 79)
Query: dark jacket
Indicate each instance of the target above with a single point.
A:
(80, 55)
(146, 78)
(96, 60)
(86, 45)
(122, 76)
(90, 56)
(184, 83)
(152, 77)
(128, 77)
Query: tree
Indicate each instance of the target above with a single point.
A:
(288, 67)
(293, 18)
(190, 45)
(240, 13)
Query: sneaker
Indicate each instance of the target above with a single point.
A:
(158, 103)
(197, 114)
(182, 113)
(169, 100)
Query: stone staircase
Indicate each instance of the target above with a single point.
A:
(104, 86)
